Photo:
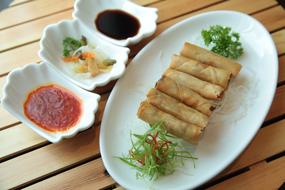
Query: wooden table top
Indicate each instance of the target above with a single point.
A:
(29, 161)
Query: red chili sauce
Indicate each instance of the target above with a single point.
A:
(53, 108)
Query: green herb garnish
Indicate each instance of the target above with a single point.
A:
(109, 62)
(83, 41)
(70, 45)
(223, 41)
(155, 153)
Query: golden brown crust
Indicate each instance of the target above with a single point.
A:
(150, 114)
(205, 56)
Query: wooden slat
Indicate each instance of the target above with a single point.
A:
(279, 38)
(266, 176)
(272, 18)
(19, 138)
(278, 104)
(119, 188)
(269, 141)
(169, 9)
(146, 2)
(257, 151)
(281, 74)
(49, 159)
(91, 177)
(141, 2)
(32, 10)
(29, 52)
(2, 81)
(246, 6)
(6, 119)
(19, 57)
(17, 2)
(29, 32)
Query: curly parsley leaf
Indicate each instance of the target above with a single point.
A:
(223, 41)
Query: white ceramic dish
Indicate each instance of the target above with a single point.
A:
(51, 51)
(20, 82)
(86, 11)
(227, 135)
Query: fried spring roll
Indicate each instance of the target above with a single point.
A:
(202, 71)
(204, 88)
(200, 54)
(150, 114)
(186, 95)
(176, 108)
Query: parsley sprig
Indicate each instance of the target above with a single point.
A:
(155, 153)
(223, 41)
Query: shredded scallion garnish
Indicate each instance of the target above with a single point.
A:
(156, 153)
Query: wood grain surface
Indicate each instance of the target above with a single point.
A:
(29, 161)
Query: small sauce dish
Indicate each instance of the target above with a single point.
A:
(22, 81)
(51, 51)
(88, 11)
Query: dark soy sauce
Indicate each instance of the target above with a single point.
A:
(117, 24)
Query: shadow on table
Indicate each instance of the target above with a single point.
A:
(5, 4)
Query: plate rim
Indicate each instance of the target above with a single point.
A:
(233, 157)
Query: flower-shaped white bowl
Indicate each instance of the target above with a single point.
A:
(20, 82)
(87, 10)
(51, 49)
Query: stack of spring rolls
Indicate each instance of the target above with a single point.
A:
(187, 94)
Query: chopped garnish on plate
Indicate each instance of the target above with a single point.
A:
(223, 41)
(156, 153)
(70, 45)
(85, 58)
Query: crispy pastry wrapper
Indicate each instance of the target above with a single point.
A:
(151, 114)
(185, 95)
(202, 71)
(205, 89)
(207, 57)
(176, 108)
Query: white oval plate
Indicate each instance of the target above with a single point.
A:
(227, 135)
